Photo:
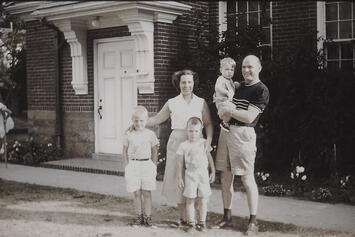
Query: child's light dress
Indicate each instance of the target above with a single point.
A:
(221, 99)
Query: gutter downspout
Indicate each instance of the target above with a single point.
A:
(58, 44)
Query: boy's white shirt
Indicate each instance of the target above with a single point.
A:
(140, 143)
(191, 151)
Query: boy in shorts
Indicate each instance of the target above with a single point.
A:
(196, 181)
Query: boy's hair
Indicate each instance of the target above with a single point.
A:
(194, 121)
(227, 61)
(140, 110)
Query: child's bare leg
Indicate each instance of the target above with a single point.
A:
(202, 207)
(138, 201)
(182, 210)
(147, 202)
(190, 210)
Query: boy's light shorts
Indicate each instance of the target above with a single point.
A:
(236, 150)
(197, 184)
(140, 175)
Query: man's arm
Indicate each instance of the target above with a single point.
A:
(245, 116)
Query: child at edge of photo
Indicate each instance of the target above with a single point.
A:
(195, 179)
(140, 154)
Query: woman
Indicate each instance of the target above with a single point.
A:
(180, 109)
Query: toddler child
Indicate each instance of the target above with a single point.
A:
(196, 183)
(140, 151)
(225, 87)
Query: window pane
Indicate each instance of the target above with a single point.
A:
(266, 34)
(345, 29)
(264, 5)
(333, 65)
(242, 6)
(253, 6)
(332, 30)
(331, 12)
(332, 52)
(347, 51)
(265, 18)
(347, 64)
(242, 21)
(345, 10)
(253, 18)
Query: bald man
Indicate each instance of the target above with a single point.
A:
(237, 148)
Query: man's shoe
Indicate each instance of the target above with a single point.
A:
(189, 227)
(224, 223)
(224, 126)
(253, 229)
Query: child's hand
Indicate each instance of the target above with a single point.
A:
(212, 176)
(180, 182)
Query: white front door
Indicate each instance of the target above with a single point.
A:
(116, 94)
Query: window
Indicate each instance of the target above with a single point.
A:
(251, 13)
(339, 33)
(255, 13)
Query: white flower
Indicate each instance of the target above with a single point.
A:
(49, 144)
(16, 149)
(160, 160)
(267, 175)
(347, 178)
(263, 178)
(297, 174)
(258, 174)
(300, 169)
(304, 177)
(292, 177)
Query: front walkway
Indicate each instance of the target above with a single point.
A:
(286, 210)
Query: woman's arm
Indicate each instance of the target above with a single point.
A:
(155, 154)
(160, 117)
(207, 121)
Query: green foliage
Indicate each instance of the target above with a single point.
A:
(30, 152)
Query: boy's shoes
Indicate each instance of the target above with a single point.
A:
(179, 223)
(148, 221)
(224, 223)
(253, 229)
(201, 226)
(138, 221)
(189, 227)
(224, 126)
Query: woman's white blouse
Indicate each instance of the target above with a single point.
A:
(181, 111)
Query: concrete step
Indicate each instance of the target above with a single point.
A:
(107, 157)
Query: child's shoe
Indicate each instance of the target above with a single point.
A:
(224, 126)
(138, 221)
(179, 223)
(201, 226)
(253, 229)
(190, 227)
(148, 221)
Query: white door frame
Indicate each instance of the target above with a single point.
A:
(96, 78)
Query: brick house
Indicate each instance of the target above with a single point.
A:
(89, 63)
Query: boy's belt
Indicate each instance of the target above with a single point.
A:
(140, 159)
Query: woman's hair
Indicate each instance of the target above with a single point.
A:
(177, 76)
(140, 110)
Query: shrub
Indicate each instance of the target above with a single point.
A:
(321, 194)
(274, 190)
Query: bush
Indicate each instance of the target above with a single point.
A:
(274, 190)
(321, 194)
(30, 152)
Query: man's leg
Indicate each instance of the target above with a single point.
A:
(227, 196)
(253, 196)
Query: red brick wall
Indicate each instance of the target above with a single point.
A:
(288, 18)
(40, 53)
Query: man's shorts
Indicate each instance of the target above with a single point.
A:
(236, 150)
(140, 175)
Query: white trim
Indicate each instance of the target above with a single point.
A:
(96, 82)
(321, 35)
(222, 9)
